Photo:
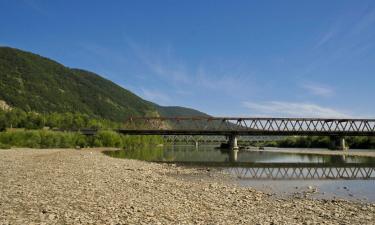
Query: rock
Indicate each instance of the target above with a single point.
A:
(87, 187)
(51, 216)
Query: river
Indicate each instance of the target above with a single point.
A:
(276, 171)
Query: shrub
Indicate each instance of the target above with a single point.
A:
(107, 139)
(57, 139)
(4, 146)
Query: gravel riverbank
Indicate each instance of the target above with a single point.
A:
(87, 187)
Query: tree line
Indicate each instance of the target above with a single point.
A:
(58, 139)
(17, 118)
(321, 142)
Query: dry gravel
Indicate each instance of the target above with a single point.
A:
(87, 187)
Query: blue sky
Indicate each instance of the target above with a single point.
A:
(233, 58)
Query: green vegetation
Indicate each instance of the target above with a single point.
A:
(53, 139)
(361, 142)
(321, 142)
(305, 142)
(17, 118)
(114, 139)
(4, 146)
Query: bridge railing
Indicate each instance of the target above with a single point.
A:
(245, 124)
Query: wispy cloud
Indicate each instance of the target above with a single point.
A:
(36, 6)
(349, 27)
(177, 72)
(294, 109)
(350, 35)
(366, 21)
(326, 37)
(103, 52)
(161, 62)
(319, 89)
(155, 96)
(227, 81)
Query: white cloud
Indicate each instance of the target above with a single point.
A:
(319, 90)
(228, 83)
(161, 63)
(326, 37)
(294, 109)
(155, 96)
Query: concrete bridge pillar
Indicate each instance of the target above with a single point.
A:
(338, 143)
(233, 155)
(342, 145)
(233, 142)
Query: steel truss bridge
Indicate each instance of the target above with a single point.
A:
(234, 127)
(248, 126)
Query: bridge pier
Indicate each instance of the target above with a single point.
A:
(233, 155)
(342, 145)
(233, 142)
(338, 143)
(233, 148)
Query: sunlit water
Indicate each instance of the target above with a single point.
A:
(353, 189)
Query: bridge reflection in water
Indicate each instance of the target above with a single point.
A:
(308, 171)
(294, 171)
(259, 165)
(337, 169)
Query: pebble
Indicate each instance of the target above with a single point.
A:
(86, 187)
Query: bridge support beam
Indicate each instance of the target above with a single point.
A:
(338, 143)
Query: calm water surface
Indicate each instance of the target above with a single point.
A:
(353, 189)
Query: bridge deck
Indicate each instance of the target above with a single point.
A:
(243, 132)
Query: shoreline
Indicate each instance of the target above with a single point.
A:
(68, 186)
(312, 151)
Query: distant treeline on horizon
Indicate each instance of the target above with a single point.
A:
(17, 118)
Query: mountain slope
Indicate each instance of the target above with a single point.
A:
(34, 83)
(177, 111)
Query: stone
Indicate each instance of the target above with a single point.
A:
(87, 187)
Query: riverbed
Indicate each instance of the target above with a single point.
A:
(87, 187)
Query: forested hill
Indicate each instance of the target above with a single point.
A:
(34, 83)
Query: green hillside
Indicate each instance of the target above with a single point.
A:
(34, 83)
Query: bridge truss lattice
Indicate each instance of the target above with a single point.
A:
(250, 126)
